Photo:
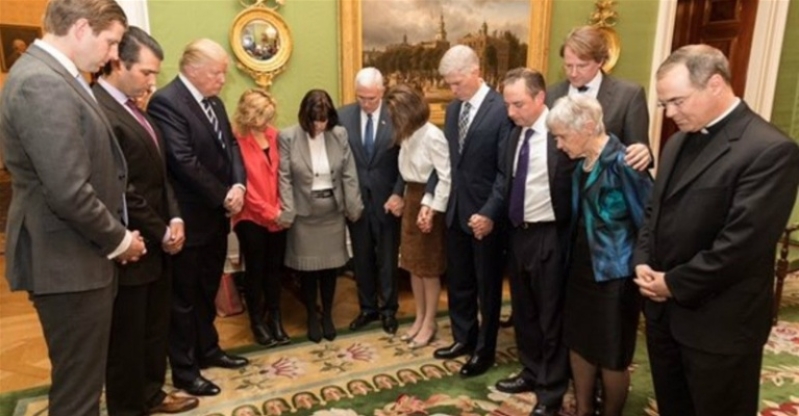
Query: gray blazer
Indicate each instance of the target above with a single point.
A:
(296, 174)
(69, 179)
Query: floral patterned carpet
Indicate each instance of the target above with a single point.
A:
(370, 373)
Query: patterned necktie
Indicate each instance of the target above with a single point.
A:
(143, 121)
(516, 209)
(209, 112)
(369, 136)
(463, 125)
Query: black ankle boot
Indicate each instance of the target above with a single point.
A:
(263, 336)
(328, 328)
(314, 329)
(274, 323)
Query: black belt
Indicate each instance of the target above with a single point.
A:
(529, 225)
(321, 194)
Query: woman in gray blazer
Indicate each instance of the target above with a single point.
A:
(318, 191)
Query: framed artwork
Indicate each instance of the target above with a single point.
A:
(14, 40)
(405, 40)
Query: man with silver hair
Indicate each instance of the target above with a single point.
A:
(208, 178)
(375, 236)
(725, 187)
(476, 126)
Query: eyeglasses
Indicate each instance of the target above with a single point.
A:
(675, 102)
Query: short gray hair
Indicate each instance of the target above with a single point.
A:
(459, 59)
(702, 62)
(575, 112)
(369, 77)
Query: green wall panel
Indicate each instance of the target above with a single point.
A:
(313, 64)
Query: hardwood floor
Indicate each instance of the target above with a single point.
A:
(23, 354)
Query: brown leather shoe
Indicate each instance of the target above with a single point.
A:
(176, 404)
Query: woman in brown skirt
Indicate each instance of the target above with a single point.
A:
(423, 148)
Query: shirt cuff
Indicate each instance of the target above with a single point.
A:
(168, 234)
(243, 188)
(431, 202)
(123, 246)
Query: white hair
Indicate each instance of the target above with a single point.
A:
(575, 112)
(369, 77)
(459, 59)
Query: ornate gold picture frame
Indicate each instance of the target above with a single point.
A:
(261, 43)
(351, 18)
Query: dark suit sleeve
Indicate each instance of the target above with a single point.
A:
(636, 119)
(636, 187)
(494, 206)
(762, 202)
(180, 149)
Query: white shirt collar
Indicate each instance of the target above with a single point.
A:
(479, 96)
(59, 56)
(113, 91)
(540, 125)
(375, 114)
(198, 96)
(593, 86)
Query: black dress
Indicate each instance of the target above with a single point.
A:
(600, 318)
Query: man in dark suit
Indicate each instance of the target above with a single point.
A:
(538, 191)
(140, 324)
(375, 236)
(705, 258)
(624, 106)
(67, 213)
(476, 126)
(208, 177)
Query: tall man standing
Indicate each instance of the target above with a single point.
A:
(476, 126)
(207, 175)
(624, 106)
(375, 237)
(140, 325)
(705, 257)
(65, 222)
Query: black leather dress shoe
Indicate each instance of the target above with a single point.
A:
(200, 386)
(476, 365)
(390, 324)
(362, 320)
(542, 410)
(225, 360)
(514, 385)
(456, 349)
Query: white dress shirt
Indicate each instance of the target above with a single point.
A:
(375, 123)
(593, 87)
(322, 178)
(476, 101)
(425, 150)
(537, 197)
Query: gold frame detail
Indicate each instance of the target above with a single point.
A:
(350, 18)
(263, 72)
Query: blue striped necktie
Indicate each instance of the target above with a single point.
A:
(209, 112)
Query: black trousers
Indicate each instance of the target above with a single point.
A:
(375, 249)
(474, 282)
(690, 382)
(137, 352)
(76, 329)
(263, 253)
(192, 335)
(537, 288)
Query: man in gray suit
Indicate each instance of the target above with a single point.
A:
(375, 237)
(584, 52)
(65, 222)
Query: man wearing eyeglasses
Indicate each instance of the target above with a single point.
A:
(375, 236)
(584, 52)
(725, 186)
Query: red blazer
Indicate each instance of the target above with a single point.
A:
(262, 200)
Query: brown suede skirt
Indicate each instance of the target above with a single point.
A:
(421, 254)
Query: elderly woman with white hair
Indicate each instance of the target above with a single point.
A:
(602, 303)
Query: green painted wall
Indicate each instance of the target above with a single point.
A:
(785, 113)
(636, 28)
(313, 64)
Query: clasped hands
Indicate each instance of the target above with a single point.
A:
(135, 250)
(651, 284)
(481, 225)
(176, 237)
(394, 205)
(234, 200)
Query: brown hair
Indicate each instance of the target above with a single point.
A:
(588, 43)
(408, 109)
(533, 80)
(60, 15)
(256, 108)
(317, 105)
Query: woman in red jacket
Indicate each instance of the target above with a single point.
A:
(262, 240)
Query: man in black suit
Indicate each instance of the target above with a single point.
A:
(208, 177)
(624, 106)
(66, 221)
(140, 325)
(375, 236)
(476, 126)
(705, 258)
(538, 192)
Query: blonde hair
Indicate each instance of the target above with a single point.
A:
(256, 109)
(201, 51)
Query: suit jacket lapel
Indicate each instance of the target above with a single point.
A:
(715, 148)
(605, 94)
(353, 127)
(478, 118)
(198, 111)
(333, 150)
(553, 155)
(303, 147)
(382, 138)
(113, 106)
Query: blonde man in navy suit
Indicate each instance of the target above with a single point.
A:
(140, 326)
(67, 213)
